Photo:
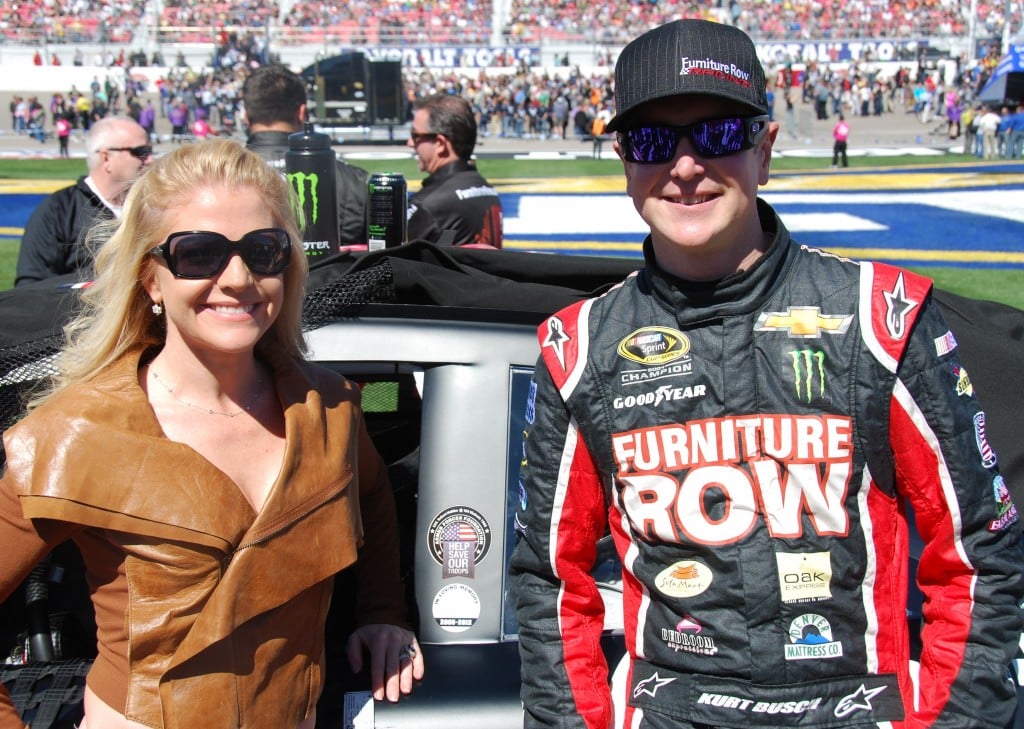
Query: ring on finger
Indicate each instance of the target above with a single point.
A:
(408, 652)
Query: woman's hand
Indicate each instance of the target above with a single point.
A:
(395, 659)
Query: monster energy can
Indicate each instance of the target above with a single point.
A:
(310, 164)
(387, 224)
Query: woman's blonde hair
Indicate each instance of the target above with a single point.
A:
(116, 315)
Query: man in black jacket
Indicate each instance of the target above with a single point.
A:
(55, 236)
(455, 197)
(275, 107)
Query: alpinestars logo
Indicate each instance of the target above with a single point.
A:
(651, 685)
(808, 373)
(556, 339)
(897, 308)
(298, 181)
(859, 700)
(711, 67)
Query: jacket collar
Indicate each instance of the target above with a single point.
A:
(96, 455)
(269, 141)
(736, 293)
(448, 171)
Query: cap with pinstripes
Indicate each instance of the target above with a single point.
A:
(688, 57)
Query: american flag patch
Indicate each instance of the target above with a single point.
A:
(945, 344)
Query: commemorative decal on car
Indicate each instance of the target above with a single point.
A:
(459, 539)
(456, 607)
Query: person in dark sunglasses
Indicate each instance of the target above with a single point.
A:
(652, 144)
(204, 254)
(754, 422)
(118, 151)
(455, 202)
(214, 480)
(141, 152)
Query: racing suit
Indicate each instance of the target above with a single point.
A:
(753, 444)
(457, 198)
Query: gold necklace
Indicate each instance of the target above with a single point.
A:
(210, 411)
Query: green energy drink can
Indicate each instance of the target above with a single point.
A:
(387, 223)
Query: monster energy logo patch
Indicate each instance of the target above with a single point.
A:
(808, 365)
(298, 181)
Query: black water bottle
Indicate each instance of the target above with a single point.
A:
(310, 164)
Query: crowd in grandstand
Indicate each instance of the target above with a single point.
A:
(524, 103)
(519, 103)
(619, 21)
(469, 21)
(392, 22)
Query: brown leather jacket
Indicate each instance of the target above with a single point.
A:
(208, 614)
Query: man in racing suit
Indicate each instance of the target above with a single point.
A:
(754, 421)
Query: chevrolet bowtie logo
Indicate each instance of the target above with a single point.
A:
(802, 322)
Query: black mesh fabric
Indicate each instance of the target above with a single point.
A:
(344, 296)
(31, 334)
(22, 367)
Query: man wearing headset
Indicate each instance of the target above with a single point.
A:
(751, 419)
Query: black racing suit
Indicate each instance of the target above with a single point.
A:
(54, 239)
(753, 445)
(456, 198)
(351, 183)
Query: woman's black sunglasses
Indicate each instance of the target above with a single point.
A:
(655, 144)
(204, 254)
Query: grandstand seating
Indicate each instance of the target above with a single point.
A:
(392, 22)
(533, 22)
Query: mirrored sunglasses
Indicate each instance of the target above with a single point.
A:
(655, 144)
(204, 254)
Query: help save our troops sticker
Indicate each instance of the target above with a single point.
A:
(459, 539)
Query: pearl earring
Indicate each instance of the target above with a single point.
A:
(157, 308)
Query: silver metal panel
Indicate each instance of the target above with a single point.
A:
(463, 448)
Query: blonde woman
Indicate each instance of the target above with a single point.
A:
(213, 480)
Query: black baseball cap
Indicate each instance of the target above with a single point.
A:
(688, 57)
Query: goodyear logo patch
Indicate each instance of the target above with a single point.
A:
(654, 346)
